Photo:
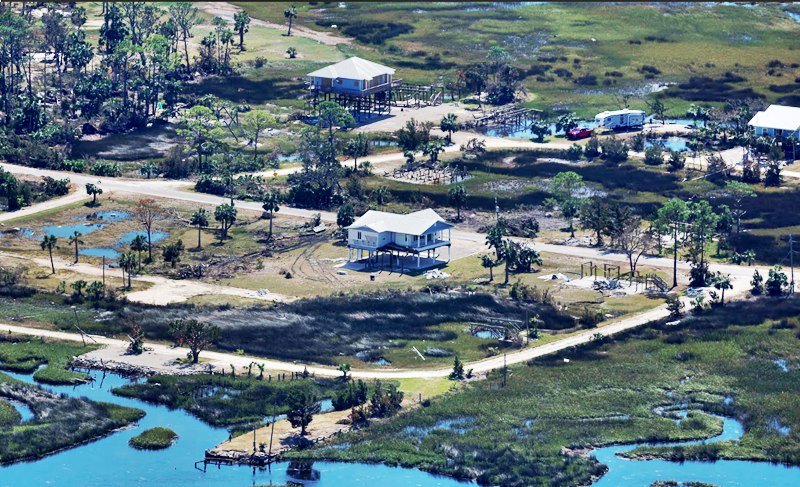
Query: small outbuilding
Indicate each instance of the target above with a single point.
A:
(777, 121)
(414, 234)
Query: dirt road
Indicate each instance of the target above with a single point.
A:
(226, 10)
(164, 291)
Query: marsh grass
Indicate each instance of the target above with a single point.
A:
(606, 394)
(157, 438)
(24, 354)
(59, 422)
(224, 400)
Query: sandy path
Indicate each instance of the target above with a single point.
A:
(164, 291)
(226, 10)
(73, 197)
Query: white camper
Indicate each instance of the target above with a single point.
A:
(620, 119)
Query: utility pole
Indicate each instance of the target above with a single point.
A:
(791, 260)
(505, 369)
(274, 410)
(104, 271)
(78, 325)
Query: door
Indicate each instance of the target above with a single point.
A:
(326, 82)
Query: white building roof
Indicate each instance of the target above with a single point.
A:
(619, 112)
(418, 223)
(353, 68)
(777, 117)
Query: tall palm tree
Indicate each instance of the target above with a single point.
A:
(270, 205)
(200, 220)
(75, 239)
(48, 243)
(139, 245)
(291, 14)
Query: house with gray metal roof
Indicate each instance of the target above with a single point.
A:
(379, 233)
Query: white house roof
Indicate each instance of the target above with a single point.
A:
(353, 68)
(619, 112)
(418, 223)
(777, 117)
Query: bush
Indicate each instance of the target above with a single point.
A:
(676, 161)
(575, 152)
(614, 150)
(587, 79)
(592, 148)
(653, 156)
(649, 69)
(637, 142)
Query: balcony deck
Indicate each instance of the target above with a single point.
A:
(396, 83)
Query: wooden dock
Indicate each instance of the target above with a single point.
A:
(506, 115)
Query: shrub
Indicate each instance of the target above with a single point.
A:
(592, 148)
(676, 161)
(653, 156)
(439, 352)
(614, 150)
(587, 79)
(562, 73)
(260, 61)
(637, 142)
(614, 74)
(649, 69)
(575, 152)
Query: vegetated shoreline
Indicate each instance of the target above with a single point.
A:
(33, 458)
(157, 438)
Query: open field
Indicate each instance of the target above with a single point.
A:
(680, 41)
(493, 431)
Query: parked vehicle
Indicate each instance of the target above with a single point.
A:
(579, 133)
(620, 119)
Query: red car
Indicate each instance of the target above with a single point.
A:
(579, 133)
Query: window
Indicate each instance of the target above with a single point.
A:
(415, 238)
(359, 235)
(406, 238)
(355, 84)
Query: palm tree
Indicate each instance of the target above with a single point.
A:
(291, 14)
(260, 371)
(139, 245)
(48, 243)
(344, 369)
(458, 198)
(75, 239)
(125, 263)
(450, 124)
(270, 205)
(489, 263)
(722, 282)
(292, 52)
(200, 220)
(381, 193)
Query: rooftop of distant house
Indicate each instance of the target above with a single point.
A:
(778, 117)
(352, 68)
(418, 223)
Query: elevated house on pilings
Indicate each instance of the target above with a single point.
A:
(358, 85)
(408, 240)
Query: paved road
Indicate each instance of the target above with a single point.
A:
(168, 189)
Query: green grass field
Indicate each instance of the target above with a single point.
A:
(680, 41)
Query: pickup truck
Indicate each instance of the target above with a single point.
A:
(579, 133)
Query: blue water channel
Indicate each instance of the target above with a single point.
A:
(110, 462)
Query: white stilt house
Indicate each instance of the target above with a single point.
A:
(381, 233)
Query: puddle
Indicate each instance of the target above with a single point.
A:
(782, 363)
(727, 401)
(326, 405)
(670, 144)
(458, 426)
(291, 158)
(107, 216)
(106, 252)
(793, 15)
(155, 236)
(380, 361)
(64, 231)
(776, 427)
(484, 334)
